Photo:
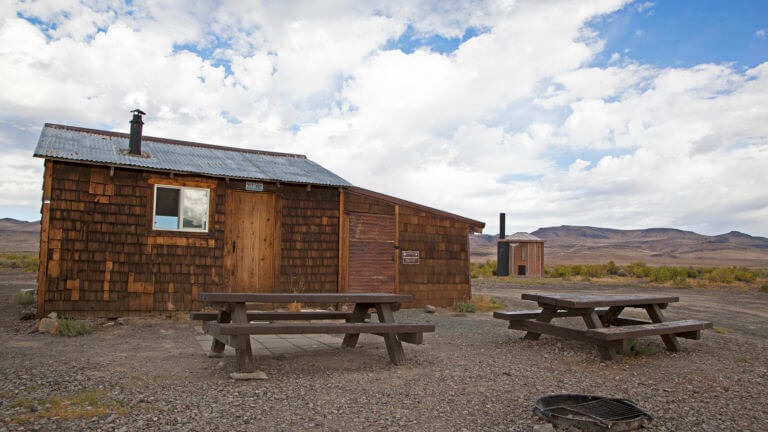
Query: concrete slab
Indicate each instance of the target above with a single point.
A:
(272, 345)
(257, 375)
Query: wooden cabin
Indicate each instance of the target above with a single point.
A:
(136, 225)
(526, 255)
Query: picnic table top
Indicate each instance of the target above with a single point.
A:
(212, 297)
(597, 300)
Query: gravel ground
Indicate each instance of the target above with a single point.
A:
(472, 374)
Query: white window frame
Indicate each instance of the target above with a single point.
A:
(181, 209)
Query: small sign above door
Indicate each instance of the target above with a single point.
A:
(253, 186)
(410, 257)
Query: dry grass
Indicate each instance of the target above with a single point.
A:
(722, 330)
(482, 303)
(464, 307)
(22, 298)
(486, 303)
(85, 404)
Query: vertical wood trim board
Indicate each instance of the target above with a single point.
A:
(339, 282)
(396, 252)
(45, 218)
(469, 265)
(345, 254)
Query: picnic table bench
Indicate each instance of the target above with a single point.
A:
(605, 328)
(232, 325)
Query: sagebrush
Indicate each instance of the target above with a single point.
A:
(678, 276)
(465, 307)
(22, 298)
(70, 327)
(26, 262)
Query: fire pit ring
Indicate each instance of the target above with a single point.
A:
(591, 413)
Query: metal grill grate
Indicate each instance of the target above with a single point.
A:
(591, 413)
(606, 410)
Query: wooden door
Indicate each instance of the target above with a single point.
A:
(249, 239)
(371, 253)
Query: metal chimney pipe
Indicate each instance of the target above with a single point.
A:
(134, 143)
(502, 249)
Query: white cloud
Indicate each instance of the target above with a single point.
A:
(644, 6)
(516, 119)
(761, 33)
(21, 180)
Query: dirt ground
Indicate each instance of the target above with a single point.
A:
(472, 374)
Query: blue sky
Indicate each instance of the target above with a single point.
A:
(605, 113)
(687, 33)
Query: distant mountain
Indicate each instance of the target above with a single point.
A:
(584, 244)
(563, 245)
(19, 236)
(10, 224)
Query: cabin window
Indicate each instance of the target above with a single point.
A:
(524, 252)
(181, 208)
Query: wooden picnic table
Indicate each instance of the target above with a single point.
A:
(601, 314)
(232, 325)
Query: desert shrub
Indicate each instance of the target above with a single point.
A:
(745, 276)
(26, 262)
(611, 268)
(465, 307)
(660, 274)
(721, 275)
(484, 270)
(22, 298)
(486, 303)
(593, 270)
(763, 287)
(637, 269)
(575, 269)
(560, 271)
(70, 327)
(681, 282)
(692, 272)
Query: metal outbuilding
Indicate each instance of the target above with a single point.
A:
(521, 254)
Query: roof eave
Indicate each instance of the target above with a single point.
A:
(475, 226)
(142, 168)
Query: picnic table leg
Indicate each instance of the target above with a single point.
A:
(244, 356)
(546, 315)
(217, 346)
(607, 352)
(670, 340)
(610, 315)
(358, 315)
(394, 346)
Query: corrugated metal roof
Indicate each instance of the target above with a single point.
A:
(110, 148)
(521, 236)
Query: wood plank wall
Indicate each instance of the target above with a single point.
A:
(309, 239)
(534, 261)
(105, 260)
(442, 276)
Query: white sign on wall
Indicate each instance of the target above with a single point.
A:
(253, 186)
(410, 257)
